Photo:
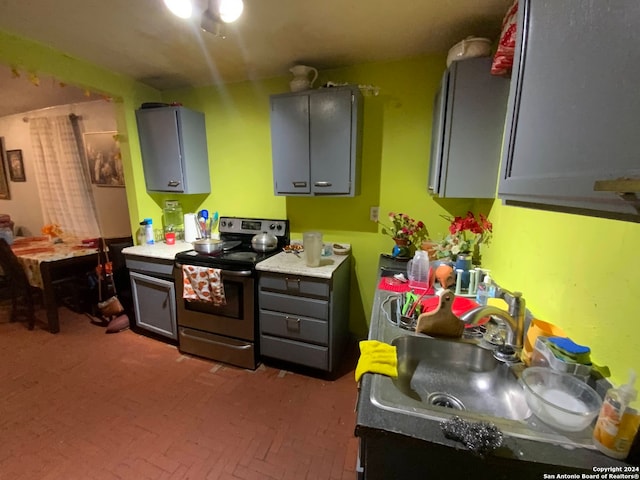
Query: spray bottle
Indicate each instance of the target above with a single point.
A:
(617, 422)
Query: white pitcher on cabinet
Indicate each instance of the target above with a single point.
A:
(301, 79)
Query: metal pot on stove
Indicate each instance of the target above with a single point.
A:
(264, 242)
(208, 246)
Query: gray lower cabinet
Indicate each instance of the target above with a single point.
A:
(316, 142)
(304, 320)
(573, 109)
(173, 143)
(153, 292)
(468, 123)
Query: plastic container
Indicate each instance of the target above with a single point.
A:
(312, 243)
(149, 235)
(542, 356)
(617, 423)
(560, 400)
(418, 269)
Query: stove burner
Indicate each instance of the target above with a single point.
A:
(243, 256)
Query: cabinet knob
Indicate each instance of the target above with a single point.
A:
(173, 183)
(322, 184)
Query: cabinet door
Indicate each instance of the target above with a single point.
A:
(574, 105)
(437, 135)
(155, 304)
(290, 144)
(331, 154)
(160, 148)
(469, 129)
(174, 150)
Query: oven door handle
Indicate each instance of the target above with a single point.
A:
(239, 273)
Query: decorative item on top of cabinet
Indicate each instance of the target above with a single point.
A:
(467, 128)
(173, 143)
(316, 142)
(571, 134)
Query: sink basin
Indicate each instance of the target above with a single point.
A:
(460, 376)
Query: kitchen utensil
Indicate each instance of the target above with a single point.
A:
(301, 79)
(468, 48)
(312, 242)
(418, 268)
(208, 246)
(264, 242)
(560, 400)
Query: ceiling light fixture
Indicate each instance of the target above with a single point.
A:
(226, 11)
(180, 8)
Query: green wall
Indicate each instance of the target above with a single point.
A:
(565, 265)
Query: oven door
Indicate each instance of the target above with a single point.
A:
(234, 319)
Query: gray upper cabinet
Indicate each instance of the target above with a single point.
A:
(468, 122)
(572, 126)
(173, 143)
(316, 141)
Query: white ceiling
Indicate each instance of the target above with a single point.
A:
(141, 39)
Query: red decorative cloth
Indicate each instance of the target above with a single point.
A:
(503, 58)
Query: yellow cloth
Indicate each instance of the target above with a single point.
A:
(377, 357)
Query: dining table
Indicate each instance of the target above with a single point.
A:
(48, 261)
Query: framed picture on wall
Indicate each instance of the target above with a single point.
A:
(104, 159)
(16, 167)
(4, 184)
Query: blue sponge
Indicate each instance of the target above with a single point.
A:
(569, 346)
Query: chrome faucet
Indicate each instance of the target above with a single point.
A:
(514, 318)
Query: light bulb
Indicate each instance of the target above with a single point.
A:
(230, 10)
(180, 8)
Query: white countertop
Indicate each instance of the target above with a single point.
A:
(289, 263)
(159, 250)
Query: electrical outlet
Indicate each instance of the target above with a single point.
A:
(373, 213)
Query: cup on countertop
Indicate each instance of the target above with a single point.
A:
(170, 238)
(312, 243)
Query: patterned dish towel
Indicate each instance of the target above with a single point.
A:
(202, 284)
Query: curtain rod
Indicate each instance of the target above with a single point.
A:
(72, 116)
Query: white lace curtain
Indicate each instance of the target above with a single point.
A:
(65, 193)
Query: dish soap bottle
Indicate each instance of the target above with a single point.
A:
(617, 422)
(484, 290)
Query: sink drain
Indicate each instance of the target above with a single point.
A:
(445, 400)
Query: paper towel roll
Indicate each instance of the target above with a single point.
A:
(190, 228)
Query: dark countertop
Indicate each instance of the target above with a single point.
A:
(524, 455)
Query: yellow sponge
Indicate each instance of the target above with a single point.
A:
(498, 302)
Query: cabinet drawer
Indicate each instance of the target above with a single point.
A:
(308, 307)
(294, 327)
(295, 285)
(296, 352)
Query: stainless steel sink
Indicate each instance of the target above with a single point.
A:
(439, 378)
(449, 374)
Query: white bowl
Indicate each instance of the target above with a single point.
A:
(560, 400)
(468, 48)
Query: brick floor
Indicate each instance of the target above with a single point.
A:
(90, 406)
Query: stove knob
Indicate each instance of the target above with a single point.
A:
(223, 223)
(272, 226)
(279, 227)
(230, 224)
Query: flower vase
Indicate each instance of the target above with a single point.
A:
(402, 249)
(463, 262)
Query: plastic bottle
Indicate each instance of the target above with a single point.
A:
(617, 422)
(483, 290)
(148, 231)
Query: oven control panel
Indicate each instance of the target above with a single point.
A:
(251, 226)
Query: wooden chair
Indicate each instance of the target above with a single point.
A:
(19, 286)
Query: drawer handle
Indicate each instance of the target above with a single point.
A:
(322, 184)
(293, 324)
(299, 184)
(295, 281)
(173, 183)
